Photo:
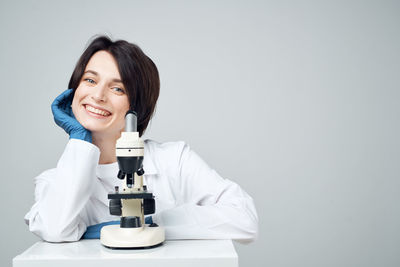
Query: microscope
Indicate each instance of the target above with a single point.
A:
(133, 202)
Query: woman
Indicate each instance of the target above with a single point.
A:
(192, 200)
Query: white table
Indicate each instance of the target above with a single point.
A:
(176, 253)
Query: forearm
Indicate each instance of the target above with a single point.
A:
(209, 205)
(236, 221)
(56, 214)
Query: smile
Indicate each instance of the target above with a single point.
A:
(97, 111)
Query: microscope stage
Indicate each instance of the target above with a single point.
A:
(142, 195)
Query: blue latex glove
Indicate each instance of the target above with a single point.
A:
(148, 220)
(64, 117)
(93, 231)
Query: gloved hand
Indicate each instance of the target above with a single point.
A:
(93, 231)
(148, 220)
(64, 117)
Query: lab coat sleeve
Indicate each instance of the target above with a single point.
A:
(62, 193)
(210, 207)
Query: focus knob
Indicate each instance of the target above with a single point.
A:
(149, 206)
(115, 207)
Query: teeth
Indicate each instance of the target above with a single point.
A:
(97, 111)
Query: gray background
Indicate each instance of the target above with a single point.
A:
(297, 101)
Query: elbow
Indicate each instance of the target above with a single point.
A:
(62, 234)
(58, 237)
(52, 238)
(248, 224)
(252, 223)
(249, 231)
(55, 234)
(252, 235)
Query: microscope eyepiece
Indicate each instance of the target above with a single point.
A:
(131, 111)
(131, 121)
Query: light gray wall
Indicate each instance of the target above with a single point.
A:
(297, 101)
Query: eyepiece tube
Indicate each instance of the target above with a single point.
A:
(131, 121)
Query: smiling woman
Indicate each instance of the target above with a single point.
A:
(99, 104)
(192, 200)
(123, 68)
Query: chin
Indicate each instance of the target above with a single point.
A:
(94, 127)
(91, 125)
(98, 130)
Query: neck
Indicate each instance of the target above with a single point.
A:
(106, 144)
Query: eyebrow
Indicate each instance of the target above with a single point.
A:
(96, 74)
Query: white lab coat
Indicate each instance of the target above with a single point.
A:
(192, 200)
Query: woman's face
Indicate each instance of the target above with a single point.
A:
(100, 101)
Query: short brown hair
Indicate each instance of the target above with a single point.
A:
(138, 72)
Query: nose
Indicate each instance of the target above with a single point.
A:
(99, 94)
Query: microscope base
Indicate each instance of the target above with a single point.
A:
(113, 236)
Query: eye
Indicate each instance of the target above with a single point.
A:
(118, 90)
(89, 80)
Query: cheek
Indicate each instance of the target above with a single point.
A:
(121, 113)
(76, 109)
(75, 103)
(121, 123)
